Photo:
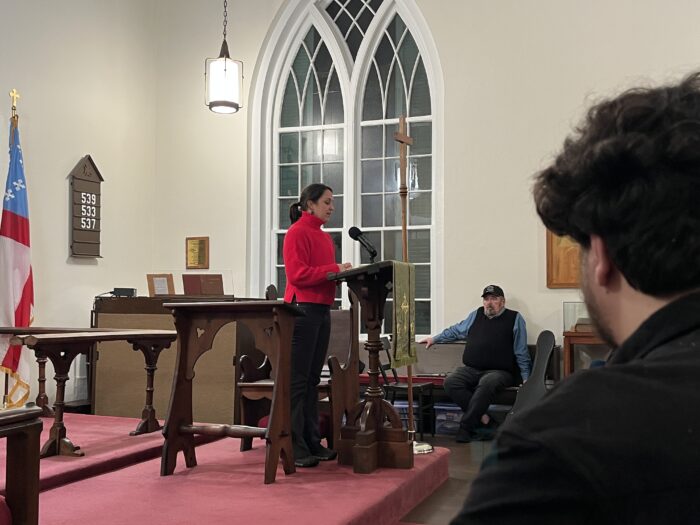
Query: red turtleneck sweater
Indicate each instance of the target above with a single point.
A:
(309, 255)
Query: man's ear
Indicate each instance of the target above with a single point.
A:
(600, 262)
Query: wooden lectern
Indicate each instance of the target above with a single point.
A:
(373, 435)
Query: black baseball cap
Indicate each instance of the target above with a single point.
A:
(493, 289)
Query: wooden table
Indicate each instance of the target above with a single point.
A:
(22, 428)
(272, 325)
(571, 339)
(62, 348)
(42, 400)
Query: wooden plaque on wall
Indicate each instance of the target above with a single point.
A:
(563, 262)
(86, 202)
(197, 253)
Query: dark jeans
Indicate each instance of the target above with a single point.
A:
(309, 347)
(473, 390)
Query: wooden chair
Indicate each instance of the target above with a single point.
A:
(422, 392)
(271, 293)
(256, 378)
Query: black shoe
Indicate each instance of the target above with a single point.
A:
(463, 436)
(306, 462)
(325, 454)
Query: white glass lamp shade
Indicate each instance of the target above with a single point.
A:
(223, 84)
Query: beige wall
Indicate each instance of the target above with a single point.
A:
(123, 81)
(518, 74)
(85, 74)
(201, 178)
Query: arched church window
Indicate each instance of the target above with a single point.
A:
(397, 85)
(311, 137)
(334, 120)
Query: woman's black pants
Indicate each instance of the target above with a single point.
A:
(309, 347)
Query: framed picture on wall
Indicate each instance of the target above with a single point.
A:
(563, 264)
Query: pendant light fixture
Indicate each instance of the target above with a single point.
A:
(223, 79)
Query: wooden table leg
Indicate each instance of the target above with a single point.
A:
(180, 410)
(151, 352)
(279, 431)
(58, 444)
(42, 400)
(568, 357)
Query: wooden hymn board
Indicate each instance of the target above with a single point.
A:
(86, 218)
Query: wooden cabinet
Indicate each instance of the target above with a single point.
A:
(116, 374)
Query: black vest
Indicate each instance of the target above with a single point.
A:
(490, 342)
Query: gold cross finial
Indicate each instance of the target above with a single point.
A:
(14, 95)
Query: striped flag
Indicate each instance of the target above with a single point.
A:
(16, 284)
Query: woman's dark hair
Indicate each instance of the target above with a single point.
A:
(312, 192)
(631, 175)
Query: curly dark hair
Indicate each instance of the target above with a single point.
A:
(631, 174)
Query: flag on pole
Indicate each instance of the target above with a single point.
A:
(16, 284)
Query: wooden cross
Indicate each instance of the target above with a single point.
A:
(402, 138)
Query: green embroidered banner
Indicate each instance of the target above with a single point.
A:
(404, 317)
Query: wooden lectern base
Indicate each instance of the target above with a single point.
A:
(374, 436)
(377, 439)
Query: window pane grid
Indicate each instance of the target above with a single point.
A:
(353, 18)
(397, 66)
(312, 144)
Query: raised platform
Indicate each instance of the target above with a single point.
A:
(106, 443)
(226, 486)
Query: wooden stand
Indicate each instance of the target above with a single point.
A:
(373, 435)
(571, 339)
(63, 345)
(272, 324)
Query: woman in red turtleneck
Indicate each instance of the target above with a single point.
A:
(309, 255)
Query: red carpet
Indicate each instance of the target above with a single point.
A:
(106, 443)
(227, 486)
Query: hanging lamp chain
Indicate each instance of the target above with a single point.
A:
(225, 17)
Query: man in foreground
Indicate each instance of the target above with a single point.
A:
(621, 443)
(496, 339)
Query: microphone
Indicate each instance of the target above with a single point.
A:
(357, 235)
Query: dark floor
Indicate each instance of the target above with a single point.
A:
(445, 502)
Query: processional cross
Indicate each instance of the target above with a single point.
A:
(405, 140)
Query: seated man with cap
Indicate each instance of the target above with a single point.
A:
(496, 339)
